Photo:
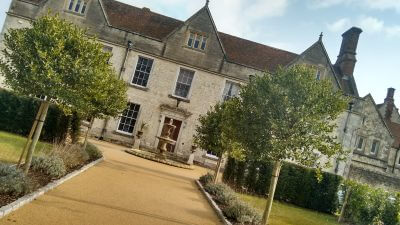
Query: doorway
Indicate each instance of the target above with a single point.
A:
(174, 136)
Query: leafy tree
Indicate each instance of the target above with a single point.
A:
(287, 115)
(55, 58)
(211, 135)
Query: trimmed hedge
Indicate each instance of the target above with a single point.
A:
(17, 115)
(296, 184)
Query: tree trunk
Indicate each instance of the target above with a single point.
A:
(87, 133)
(346, 198)
(36, 136)
(271, 194)
(219, 164)
(28, 141)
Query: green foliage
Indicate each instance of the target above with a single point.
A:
(22, 111)
(13, 181)
(75, 130)
(55, 58)
(242, 213)
(93, 152)
(53, 166)
(296, 185)
(287, 115)
(368, 205)
(71, 155)
(229, 173)
(222, 193)
(206, 179)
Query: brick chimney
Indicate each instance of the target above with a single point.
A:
(346, 60)
(389, 101)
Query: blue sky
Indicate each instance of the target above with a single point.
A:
(294, 25)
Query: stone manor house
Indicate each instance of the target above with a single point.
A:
(177, 69)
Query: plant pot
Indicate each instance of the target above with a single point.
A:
(139, 134)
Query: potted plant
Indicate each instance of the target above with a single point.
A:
(143, 126)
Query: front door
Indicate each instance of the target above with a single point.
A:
(174, 136)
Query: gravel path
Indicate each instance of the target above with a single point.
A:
(123, 189)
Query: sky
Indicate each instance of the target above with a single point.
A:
(294, 25)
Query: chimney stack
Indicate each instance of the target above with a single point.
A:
(346, 60)
(389, 101)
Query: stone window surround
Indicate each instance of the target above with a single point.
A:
(135, 128)
(187, 99)
(224, 85)
(204, 35)
(377, 148)
(66, 8)
(144, 88)
(363, 145)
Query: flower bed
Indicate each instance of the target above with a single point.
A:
(44, 170)
(235, 210)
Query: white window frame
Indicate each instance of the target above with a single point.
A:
(223, 88)
(363, 144)
(135, 127)
(195, 36)
(176, 82)
(134, 71)
(377, 147)
(74, 3)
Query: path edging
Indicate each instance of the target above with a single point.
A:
(213, 204)
(5, 210)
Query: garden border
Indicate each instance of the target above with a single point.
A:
(213, 204)
(5, 210)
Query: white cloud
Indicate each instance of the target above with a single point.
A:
(317, 4)
(383, 4)
(393, 31)
(339, 25)
(371, 24)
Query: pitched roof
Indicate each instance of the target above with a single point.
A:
(150, 24)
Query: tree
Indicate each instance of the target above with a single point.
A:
(211, 134)
(55, 58)
(287, 115)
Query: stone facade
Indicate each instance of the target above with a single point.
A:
(131, 33)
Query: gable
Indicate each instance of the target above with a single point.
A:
(373, 118)
(316, 55)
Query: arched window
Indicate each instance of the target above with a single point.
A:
(78, 6)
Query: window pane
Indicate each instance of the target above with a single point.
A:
(203, 44)
(375, 146)
(78, 5)
(142, 72)
(197, 41)
(71, 4)
(184, 83)
(360, 143)
(231, 90)
(318, 75)
(83, 8)
(190, 41)
(128, 119)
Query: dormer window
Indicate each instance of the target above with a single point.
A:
(197, 41)
(78, 6)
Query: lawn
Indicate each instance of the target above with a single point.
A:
(11, 146)
(285, 214)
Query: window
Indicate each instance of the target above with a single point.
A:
(375, 147)
(128, 118)
(197, 41)
(184, 83)
(318, 74)
(142, 72)
(360, 143)
(231, 90)
(78, 6)
(211, 153)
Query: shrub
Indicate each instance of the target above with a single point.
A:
(72, 155)
(93, 152)
(242, 213)
(13, 181)
(52, 166)
(75, 130)
(222, 193)
(207, 178)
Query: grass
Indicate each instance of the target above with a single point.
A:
(11, 146)
(285, 214)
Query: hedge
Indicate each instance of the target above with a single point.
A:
(17, 115)
(296, 185)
